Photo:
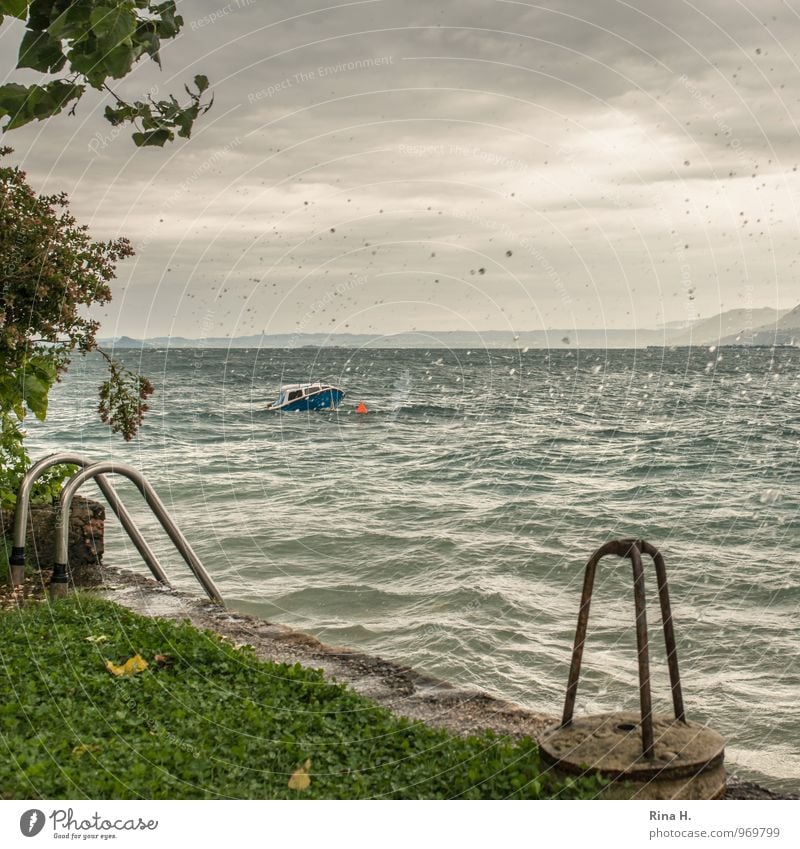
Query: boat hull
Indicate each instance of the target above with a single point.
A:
(326, 399)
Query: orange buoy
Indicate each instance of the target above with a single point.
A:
(361, 408)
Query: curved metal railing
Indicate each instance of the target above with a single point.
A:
(60, 577)
(97, 472)
(17, 558)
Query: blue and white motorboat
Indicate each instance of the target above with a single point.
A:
(298, 397)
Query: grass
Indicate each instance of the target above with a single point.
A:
(216, 722)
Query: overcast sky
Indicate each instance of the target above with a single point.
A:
(385, 165)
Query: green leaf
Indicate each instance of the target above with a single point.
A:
(170, 24)
(118, 62)
(25, 103)
(62, 93)
(93, 41)
(153, 138)
(72, 23)
(40, 103)
(184, 119)
(35, 392)
(14, 103)
(15, 8)
(43, 367)
(116, 115)
(150, 43)
(35, 379)
(112, 26)
(40, 52)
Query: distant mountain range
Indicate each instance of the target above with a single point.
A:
(763, 326)
(744, 327)
(784, 331)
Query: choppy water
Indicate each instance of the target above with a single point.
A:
(449, 527)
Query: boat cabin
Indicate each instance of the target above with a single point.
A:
(307, 396)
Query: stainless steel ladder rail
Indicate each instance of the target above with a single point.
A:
(60, 577)
(17, 558)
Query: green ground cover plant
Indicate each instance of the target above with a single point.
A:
(202, 718)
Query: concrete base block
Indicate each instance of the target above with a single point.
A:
(688, 761)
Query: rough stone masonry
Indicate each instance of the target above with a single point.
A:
(86, 528)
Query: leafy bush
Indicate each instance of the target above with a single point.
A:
(51, 273)
(208, 720)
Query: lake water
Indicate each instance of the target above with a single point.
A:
(449, 527)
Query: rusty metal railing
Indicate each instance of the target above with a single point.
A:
(632, 549)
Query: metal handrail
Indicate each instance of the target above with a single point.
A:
(17, 558)
(60, 577)
(631, 549)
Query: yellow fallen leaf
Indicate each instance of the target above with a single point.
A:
(300, 779)
(131, 666)
(83, 748)
(100, 638)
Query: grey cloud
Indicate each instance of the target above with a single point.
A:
(558, 133)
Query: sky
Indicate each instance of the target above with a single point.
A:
(382, 166)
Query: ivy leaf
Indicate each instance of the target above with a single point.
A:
(201, 82)
(300, 779)
(131, 667)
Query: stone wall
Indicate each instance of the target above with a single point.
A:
(86, 528)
